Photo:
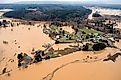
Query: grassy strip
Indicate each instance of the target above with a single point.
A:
(58, 53)
(87, 31)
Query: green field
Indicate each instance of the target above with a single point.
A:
(87, 31)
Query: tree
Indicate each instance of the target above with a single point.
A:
(85, 47)
(4, 23)
(0, 23)
(98, 46)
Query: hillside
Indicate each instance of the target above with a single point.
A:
(49, 12)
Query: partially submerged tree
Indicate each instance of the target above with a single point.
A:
(98, 46)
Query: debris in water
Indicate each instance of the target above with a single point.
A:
(11, 29)
(112, 57)
(2, 59)
(33, 49)
(4, 70)
(14, 40)
(8, 74)
(28, 28)
(87, 56)
(15, 54)
(5, 42)
(15, 43)
(10, 60)
(19, 46)
(90, 57)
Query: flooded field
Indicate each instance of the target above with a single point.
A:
(69, 67)
(75, 66)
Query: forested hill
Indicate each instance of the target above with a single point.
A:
(49, 12)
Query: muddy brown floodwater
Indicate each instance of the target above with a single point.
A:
(74, 66)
